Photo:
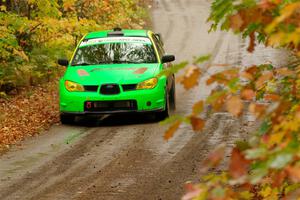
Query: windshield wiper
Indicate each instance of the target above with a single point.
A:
(82, 64)
(125, 61)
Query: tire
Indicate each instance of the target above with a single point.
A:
(67, 119)
(173, 97)
(162, 115)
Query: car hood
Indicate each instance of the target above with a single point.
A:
(115, 73)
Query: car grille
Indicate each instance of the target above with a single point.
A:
(120, 105)
(90, 88)
(129, 87)
(109, 89)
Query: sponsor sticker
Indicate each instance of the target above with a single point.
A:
(108, 40)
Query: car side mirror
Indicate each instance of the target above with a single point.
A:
(63, 62)
(167, 58)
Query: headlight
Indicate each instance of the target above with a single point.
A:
(148, 84)
(73, 87)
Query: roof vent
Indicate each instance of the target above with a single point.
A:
(117, 29)
(116, 33)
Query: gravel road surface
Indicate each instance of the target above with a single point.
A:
(126, 157)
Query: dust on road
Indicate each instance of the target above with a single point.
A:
(126, 157)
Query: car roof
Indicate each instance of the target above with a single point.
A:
(126, 33)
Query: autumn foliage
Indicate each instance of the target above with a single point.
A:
(34, 33)
(267, 165)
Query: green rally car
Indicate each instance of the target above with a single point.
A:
(115, 71)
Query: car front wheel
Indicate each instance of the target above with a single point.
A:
(162, 115)
(67, 119)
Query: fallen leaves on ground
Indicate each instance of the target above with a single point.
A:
(28, 113)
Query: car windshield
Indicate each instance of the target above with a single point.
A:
(114, 51)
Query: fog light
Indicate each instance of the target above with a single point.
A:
(149, 103)
(89, 105)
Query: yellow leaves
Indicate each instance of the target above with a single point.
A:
(289, 15)
(2, 8)
(21, 54)
(198, 107)
(172, 129)
(234, 105)
(191, 77)
(286, 12)
(276, 138)
(269, 193)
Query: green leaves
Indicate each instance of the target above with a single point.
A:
(280, 160)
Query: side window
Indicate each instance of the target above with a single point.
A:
(160, 50)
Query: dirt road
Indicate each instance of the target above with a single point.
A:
(126, 157)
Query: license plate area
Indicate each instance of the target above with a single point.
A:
(121, 105)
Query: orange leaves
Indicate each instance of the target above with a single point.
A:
(215, 157)
(192, 192)
(197, 123)
(172, 129)
(284, 71)
(263, 79)
(191, 77)
(271, 97)
(234, 105)
(236, 22)
(294, 173)
(266, 5)
(247, 94)
(257, 109)
(223, 77)
(26, 115)
(238, 166)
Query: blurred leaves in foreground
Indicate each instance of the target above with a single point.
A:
(267, 164)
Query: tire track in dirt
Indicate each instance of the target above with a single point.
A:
(64, 166)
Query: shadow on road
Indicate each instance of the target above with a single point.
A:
(115, 120)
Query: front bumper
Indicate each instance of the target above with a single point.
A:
(146, 101)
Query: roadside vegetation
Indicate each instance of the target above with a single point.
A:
(267, 165)
(33, 35)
